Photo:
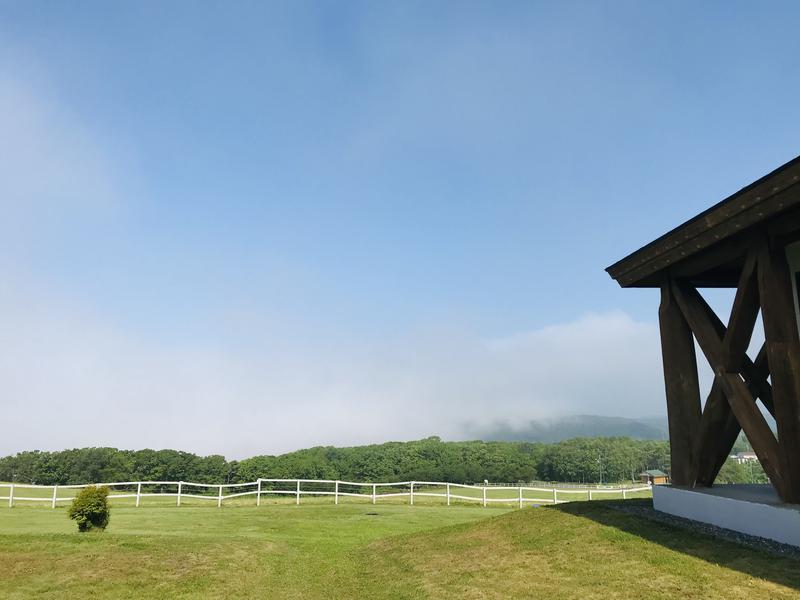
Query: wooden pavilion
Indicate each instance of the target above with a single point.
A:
(751, 242)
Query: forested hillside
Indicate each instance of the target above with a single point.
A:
(577, 460)
(565, 428)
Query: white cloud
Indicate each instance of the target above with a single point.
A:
(72, 381)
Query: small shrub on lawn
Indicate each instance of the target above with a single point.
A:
(90, 508)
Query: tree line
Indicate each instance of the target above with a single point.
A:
(589, 460)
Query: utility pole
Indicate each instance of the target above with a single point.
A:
(600, 464)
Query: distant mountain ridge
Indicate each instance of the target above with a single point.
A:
(563, 428)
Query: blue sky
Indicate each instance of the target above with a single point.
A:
(329, 222)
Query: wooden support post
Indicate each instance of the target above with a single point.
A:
(756, 428)
(219, 497)
(298, 493)
(719, 427)
(718, 432)
(783, 356)
(448, 494)
(180, 487)
(55, 496)
(138, 493)
(258, 493)
(336, 493)
(682, 387)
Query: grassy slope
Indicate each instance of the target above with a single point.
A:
(575, 550)
(578, 550)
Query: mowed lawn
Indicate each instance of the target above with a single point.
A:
(579, 550)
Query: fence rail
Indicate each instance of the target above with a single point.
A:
(484, 494)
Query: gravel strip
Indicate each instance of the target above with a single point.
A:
(752, 541)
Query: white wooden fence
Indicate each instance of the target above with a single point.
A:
(484, 494)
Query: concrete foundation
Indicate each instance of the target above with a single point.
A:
(751, 509)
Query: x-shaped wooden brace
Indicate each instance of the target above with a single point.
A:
(738, 381)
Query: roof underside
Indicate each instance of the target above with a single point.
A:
(708, 249)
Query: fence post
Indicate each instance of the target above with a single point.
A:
(55, 495)
(11, 497)
(484, 496)
(180, 487)
(448, 494)
(520, 497)
(138, 493)
(258, 494)
(412, 493)
(336, 493)
(219, 497)
(590, 494)
(374, 486)
(298, 492)
(555, 496)
(623, 493)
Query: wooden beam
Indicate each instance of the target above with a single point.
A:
(757, 431)
(783, 357)
(729, 251)
(743, 317)
(716, 429)
(719, 427)
(682, 387)
(710, 333)
(756, 377)
(717, 435)
(708, 330)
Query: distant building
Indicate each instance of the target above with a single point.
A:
(654, 477)
(745, 457)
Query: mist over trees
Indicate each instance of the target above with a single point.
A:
(576, 460)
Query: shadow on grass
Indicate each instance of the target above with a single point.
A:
(783, 570)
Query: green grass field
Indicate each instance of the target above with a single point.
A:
(355, 550)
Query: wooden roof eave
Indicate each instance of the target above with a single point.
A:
(760, 201)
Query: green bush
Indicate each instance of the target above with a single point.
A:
(90, 508)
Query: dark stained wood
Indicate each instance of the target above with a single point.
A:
(731, 251)
(682, 387)
(739, 243)
(783, 356)
(717, 435)
(743, 317)
(710, 333)
(760, 364)
(760, 202)
(755, 374)
(786, 228)
(757, 430)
